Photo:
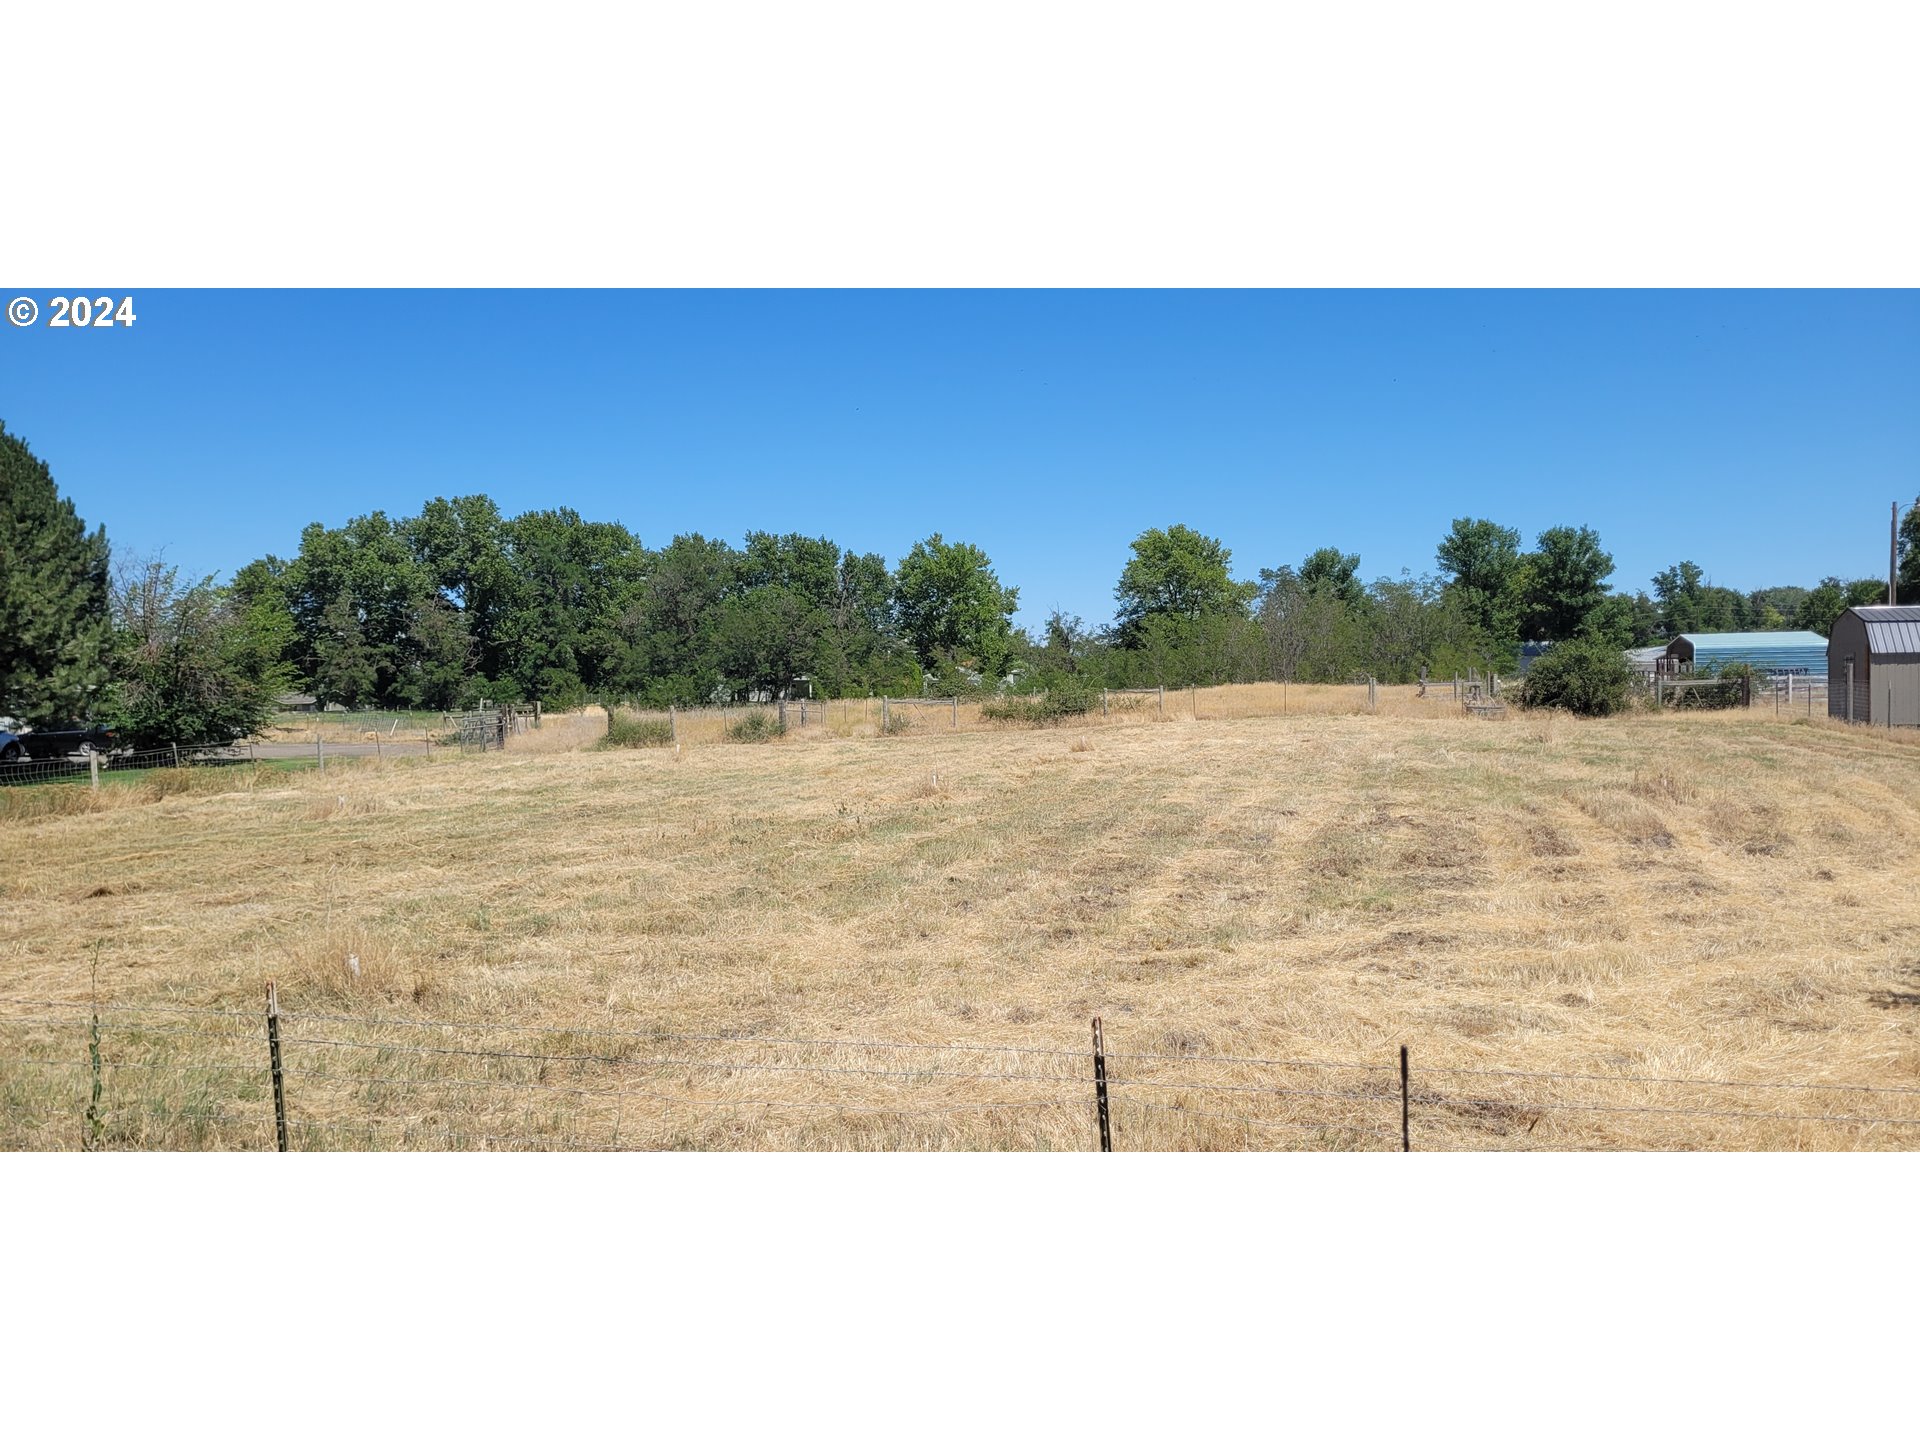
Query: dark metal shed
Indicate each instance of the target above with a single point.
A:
(1873, 666)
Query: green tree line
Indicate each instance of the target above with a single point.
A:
(461, 603)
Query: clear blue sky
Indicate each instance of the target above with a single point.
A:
(1760, 434)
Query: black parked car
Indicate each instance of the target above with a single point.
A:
(57, 744)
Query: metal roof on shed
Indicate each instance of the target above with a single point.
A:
(1774, 652)
(1758, 639)
(1891, 629)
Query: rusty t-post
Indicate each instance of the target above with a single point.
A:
(279, 1083)
(1406, 1127)
(1100, 1086)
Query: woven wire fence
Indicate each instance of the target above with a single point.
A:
(74, 1075)
(82, 769)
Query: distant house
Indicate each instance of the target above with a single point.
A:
(300, 704)
(1771, 652)
(1873, 666)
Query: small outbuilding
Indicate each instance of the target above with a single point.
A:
(1873, 666)
(1647, 659)
(1771, 652)
(298, 703)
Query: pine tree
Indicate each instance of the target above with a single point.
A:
(56, 627)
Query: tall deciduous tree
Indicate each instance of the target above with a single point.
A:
(1178, 572)
(462, 543)
(1481, 561)
(953, 608)
(56, 629)
(195, 667)
(1832, 597)
(1688, 605)
(1330, 571)
(1626, 621)
(1565, 578)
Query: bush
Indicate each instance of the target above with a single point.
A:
(1064, 697)
(753, 727)
(1587, 676)
(629, 731)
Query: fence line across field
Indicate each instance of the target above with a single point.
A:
(888, 714)
(493, 728)
(1092, 1082)
(91, 767)
(88, 1008)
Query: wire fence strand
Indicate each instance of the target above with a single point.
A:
(122, 1039)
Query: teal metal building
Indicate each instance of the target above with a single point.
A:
(1771, 652)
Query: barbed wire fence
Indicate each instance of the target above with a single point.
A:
(74, 1074)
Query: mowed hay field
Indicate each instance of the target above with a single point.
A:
(745, 945)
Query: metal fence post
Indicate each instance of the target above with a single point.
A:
(1406, 1125)
(1100, 1086)
(279, 1083)
(175, 745)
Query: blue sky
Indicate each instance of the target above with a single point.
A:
(1761, 434)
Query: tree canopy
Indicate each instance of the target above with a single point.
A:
(953, 608)
(56, 629)
(1178, 572)
(461, 603)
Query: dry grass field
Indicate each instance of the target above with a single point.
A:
(863, 718)
(747, 946)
